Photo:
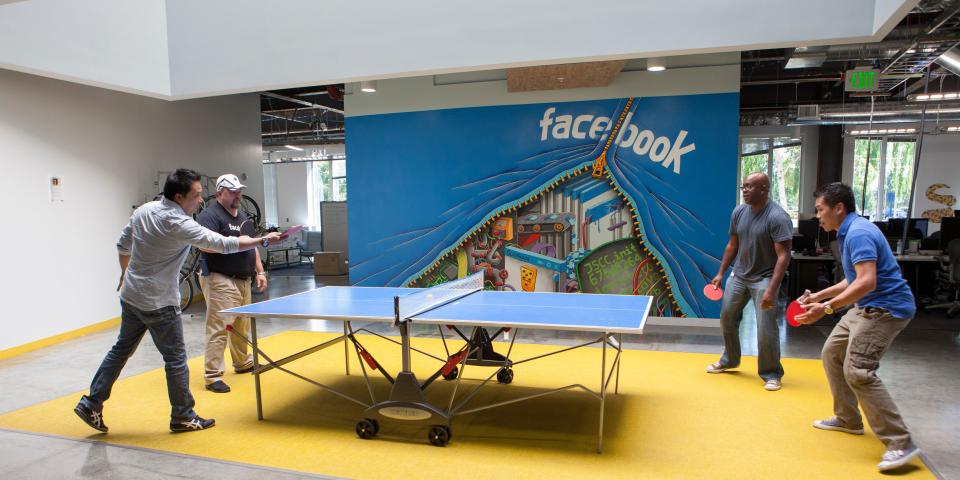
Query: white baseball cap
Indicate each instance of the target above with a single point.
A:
(230, 182)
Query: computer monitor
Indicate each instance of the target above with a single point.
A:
(918, 227)
(895, 227)
(803, 243)
(949, 230)
(882, 226)
(921, 224)
(809, 228)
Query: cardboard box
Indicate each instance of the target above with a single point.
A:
(329, 263)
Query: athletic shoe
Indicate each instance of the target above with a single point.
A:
(247, 369)
(773, 385)
(897, 458)
(717, 368)
(92, 418)
(833, 423)
(196, 423)
(218, 387)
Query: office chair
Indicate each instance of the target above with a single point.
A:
(838, 264)
(310, 242)
(948, 279)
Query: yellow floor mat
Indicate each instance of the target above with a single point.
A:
(670, 420)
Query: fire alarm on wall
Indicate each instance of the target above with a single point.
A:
(56, 189)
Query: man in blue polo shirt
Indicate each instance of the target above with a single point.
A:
(882, 306)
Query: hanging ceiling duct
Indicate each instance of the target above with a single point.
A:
(950, 61)
(889, 112)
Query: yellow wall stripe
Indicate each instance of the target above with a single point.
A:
(46, 342)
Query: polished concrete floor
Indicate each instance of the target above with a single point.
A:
(921, 371)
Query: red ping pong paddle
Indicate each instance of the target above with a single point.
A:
(712, 292)
(793, 310)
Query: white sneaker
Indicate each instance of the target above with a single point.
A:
(773, 385)
(717, 368)
(897, 458)
(834, 424)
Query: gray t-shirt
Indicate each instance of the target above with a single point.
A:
(756, 257)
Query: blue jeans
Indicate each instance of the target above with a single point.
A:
(735, 298)
(166, 329)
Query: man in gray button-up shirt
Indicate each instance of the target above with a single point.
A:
(152, 249)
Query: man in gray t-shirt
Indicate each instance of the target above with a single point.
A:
(760, 238)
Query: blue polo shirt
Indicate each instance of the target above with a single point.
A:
(862, 241)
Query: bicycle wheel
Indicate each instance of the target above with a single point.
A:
(186, 292)
(250, 207)
(192, 264)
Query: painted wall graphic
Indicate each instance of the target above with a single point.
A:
(935, 214)
(626, 196)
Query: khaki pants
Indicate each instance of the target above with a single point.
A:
(851, 356)
(222, 292)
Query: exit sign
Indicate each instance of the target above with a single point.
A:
(861, 80)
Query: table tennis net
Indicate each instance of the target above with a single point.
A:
(425, 300)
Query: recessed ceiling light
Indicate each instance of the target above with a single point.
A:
(656, 64)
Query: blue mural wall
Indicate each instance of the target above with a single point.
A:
(624, 195)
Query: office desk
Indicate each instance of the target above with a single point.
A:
(917, 260)
(801, 276)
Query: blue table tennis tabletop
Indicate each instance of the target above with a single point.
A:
(540, 310)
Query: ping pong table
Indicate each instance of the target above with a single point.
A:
(456, 305)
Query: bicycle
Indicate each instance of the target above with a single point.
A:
(188, 278)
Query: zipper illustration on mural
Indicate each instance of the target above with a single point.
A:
(578, 233)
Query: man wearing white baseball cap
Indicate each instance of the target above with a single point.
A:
(226, 280)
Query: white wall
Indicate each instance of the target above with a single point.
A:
(115, 44)
(292, 208)
(887, 13)
(107, 146)
(809, 153)
(215, 136)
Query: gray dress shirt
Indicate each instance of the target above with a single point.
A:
(158, 239)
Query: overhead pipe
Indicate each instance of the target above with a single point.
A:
(916, 166)
(300, 101)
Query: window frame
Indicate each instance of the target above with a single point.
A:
(881, 172)
(769, 153)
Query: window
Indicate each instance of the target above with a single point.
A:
(886, 177)
(271, 217)
(779, 158)
(327, 182)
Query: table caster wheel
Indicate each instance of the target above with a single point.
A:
(439, 435)
(367, 428)
(505, 375)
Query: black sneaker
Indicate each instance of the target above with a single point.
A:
(196, 423)
(92, 418)
(218, 387)
(246, 369)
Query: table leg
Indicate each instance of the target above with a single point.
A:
(256, 366)
(616, 387)
(346, 350)
(603, 391)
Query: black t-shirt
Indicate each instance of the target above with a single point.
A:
(218, 219)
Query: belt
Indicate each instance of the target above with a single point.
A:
(236, 277)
